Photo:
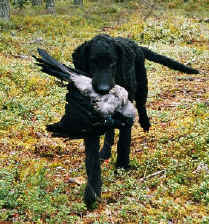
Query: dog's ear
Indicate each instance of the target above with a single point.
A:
(126, 67)
(80, 56)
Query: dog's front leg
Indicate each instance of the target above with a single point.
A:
(123, 147)
(105, 153)
(94, 183)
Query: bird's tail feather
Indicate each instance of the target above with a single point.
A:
(52, 67)
(51, 61)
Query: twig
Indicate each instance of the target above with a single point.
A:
(152, 175)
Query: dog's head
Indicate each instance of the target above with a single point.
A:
(105, 59)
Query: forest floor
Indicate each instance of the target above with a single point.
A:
(42, 179)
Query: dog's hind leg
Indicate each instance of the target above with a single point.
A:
(93, 170)
(141, 95)
(105, 153)
(123, 147)
(143, 117)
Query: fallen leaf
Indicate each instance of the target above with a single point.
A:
(77, 180)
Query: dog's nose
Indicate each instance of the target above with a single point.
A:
(102, 89)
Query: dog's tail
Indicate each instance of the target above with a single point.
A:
(152, 56)
(52, 67)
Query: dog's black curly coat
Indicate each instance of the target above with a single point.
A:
(119, 61)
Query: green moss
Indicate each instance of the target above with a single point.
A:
(169, 179)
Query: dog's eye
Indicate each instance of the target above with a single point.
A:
(113, 64)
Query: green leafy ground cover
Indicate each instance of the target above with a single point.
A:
(170, 182)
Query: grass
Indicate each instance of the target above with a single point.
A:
(170, 182)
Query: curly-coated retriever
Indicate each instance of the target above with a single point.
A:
(120, 61)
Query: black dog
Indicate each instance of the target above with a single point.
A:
(119, 61)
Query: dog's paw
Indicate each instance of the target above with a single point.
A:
(104, 154)
(91, 197)
(122, 165)
(145, 124)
